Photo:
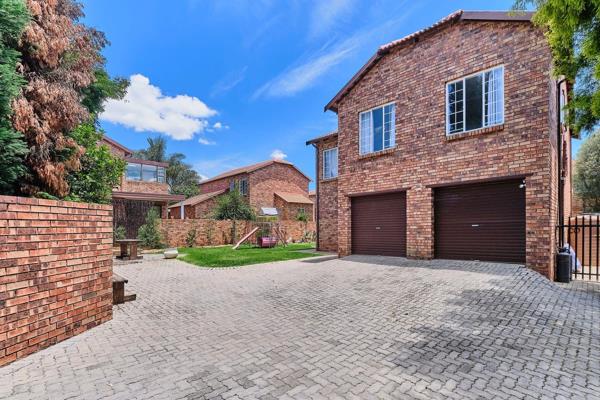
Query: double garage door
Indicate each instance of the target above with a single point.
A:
(483, 221)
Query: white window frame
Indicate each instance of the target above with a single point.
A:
(464, 91)
(392, 142)
(336, 161)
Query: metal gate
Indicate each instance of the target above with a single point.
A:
(582, 235)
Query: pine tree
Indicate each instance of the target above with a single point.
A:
(13, 19)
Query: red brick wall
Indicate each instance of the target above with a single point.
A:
(289, 211)
(220, 184)
(55, 272)
(327, 198)
(263, 184)
(414, 77)
(211, 232)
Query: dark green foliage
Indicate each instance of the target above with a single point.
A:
(233, 206)
(103, 88)
(587, 173)
(302, 216)
(149, 234)
(100, 169)
(573, 31)
(13, 18)
(190, 239)
(180, 176)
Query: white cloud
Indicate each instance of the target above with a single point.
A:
(145, 109)
(229, 82)
(206, 142)
(219, 125)
(278, 155)
(326, 14)
(306, 74)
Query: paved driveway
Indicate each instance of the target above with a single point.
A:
(353, 328)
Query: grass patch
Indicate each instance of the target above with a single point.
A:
(225, 256)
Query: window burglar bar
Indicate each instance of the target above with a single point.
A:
(582, 235)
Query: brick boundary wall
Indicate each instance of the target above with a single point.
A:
(210, 232)
(55, 272)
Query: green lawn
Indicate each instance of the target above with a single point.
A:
(225, 256)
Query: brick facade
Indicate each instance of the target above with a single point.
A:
(210, 232)
(413, 76)
(55, 272)
(327, 197)
(263, 182)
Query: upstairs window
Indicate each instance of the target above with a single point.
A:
(476, 101)
(145, 173)
(330, 163)
(240, 185)
(134, 172)
(378, 129)
(244, 187)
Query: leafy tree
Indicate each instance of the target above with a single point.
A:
(149, 234)
(573, 32)
(13, 19)
(180, 176)
(233, 206)
(156, 151)
(190, 239)
(100, 170)
(587, 173)
(103, 88)
(60, 57)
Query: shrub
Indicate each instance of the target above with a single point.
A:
(119, 233)
(149, 234)
(190, 239)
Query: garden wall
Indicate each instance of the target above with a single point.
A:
(210, 232)
(55, 272)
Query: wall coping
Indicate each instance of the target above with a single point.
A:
(32, 201)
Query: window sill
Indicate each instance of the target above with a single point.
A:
(377, 153)
(476, 132)
(325, 180)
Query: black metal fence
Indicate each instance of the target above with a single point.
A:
(581, 235)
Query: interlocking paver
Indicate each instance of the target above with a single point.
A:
(361, 327)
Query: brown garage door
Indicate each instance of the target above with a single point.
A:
(481, 222)
(379, 224)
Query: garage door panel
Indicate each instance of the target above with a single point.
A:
(379, 224)
(481, 222)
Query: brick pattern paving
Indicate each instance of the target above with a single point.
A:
(352, 328)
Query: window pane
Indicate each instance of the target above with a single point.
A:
(494, 97)
(366, 135)
(473, 106)
(330, 163)
(134, 172)
(455, 107)
(389, 131)
(161, 174)
(149, 173)
(377, 129)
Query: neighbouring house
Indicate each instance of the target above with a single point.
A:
(273, 183)
(312, 195)
(451, 144)
(142, 187)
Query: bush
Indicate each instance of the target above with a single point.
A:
(190, 239)
(119, 233)
(149, 234)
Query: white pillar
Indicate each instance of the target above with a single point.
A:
(182, 212)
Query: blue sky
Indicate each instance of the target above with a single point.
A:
(233, 82)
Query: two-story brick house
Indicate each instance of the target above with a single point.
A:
(448, 146)
(143, 186)
(273, 183)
